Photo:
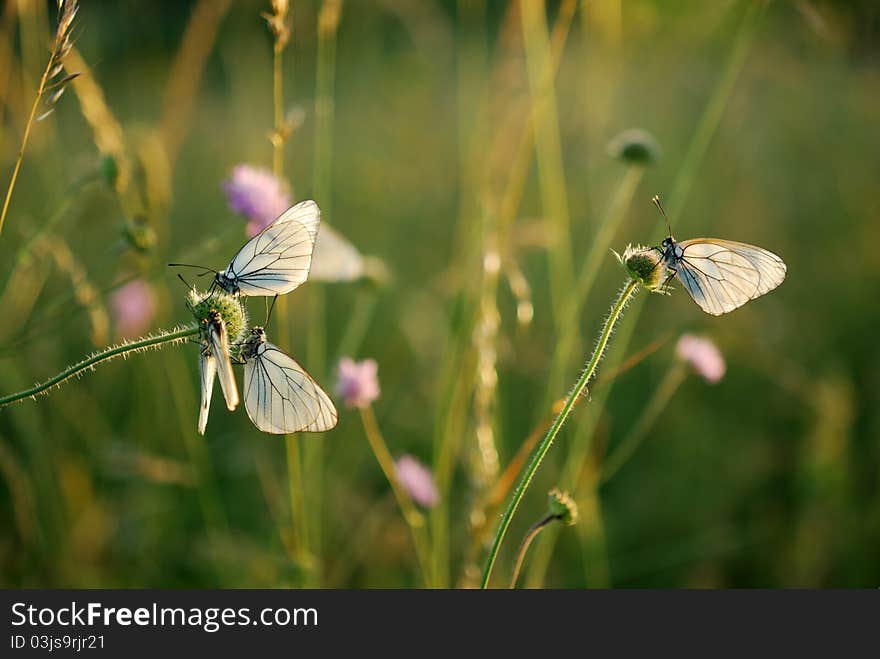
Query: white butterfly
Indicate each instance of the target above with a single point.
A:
(279, 396)
(277, 259)
(722, 275)
(214, 358)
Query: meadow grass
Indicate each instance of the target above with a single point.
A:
(465, 144)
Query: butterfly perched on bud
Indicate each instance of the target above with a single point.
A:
(720, 275)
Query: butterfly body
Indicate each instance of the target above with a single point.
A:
(217, 346)
(721, 275)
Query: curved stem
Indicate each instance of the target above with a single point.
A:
(414, 519)
(523, 548)
(545, 444)
(175, 336)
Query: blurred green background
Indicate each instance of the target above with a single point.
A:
(413, 113)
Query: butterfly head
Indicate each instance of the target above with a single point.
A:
(226, 282)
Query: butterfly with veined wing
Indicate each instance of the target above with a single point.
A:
(277, 259)
(279, 395)
(720, 275)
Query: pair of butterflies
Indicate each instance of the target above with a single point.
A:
(720, 275)
(279, 395)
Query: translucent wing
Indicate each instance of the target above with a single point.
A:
(219, 346)
(305, 212)
(207, 370)
(277, 259)
(280, 397)
(335, 259)
(722, 275)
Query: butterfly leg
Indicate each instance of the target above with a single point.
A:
(661, 259)
(664, 288)
(269, 309)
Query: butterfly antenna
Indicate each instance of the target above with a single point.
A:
(185, 282)
(204, 272)
(659, 206)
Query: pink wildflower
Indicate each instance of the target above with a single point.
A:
(357, 384)
(257, 194)
(702, 356)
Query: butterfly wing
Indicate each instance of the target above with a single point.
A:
(281, 398)
(277, 259)
(306, 213)
(219, 346)
(335, 259)
(722, 275)
(207, 370)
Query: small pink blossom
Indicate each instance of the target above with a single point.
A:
(702, 356)
(417, 480)
(133, 307)
(357, 384)
(257, 194)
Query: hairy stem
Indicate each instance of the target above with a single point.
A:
(150, 342)
(545, 444)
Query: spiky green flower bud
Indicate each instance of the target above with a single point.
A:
(562, 506)
(229, 307)
(645, 265)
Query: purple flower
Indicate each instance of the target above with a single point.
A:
(133, 307)
(417, 480)
(702, 356)
(357, 383)
(257, 194)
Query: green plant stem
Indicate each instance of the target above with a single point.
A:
(547, 441)
(579, 448)
(358, 323)
(175, 336)
(696, 153)
(605, 231)
(411, 515)
(569, 338)
(278, 107)
(662, 395)
(711, 116)
(24, 139)
(313, 450)
(531, 534)
(548, 150)
(302, 538)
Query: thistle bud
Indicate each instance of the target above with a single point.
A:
(634, 147)
(229, 307)
(645, 265)
(562, 507)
